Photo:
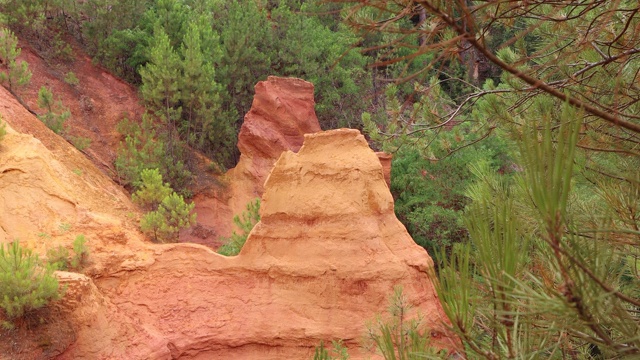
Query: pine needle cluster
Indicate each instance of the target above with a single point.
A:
(168, 213)
(26, 284)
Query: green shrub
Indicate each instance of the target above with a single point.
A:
(339, 351)
(150, 189)
(56, 113)
(80, 142)
(395, 337)
(430, 195)
(173, 215)
(25, 283)
(250, 218)
(60, 49)
(145, 148)
(151, 224)
(64, 227)
(71, 79)
(177, 215)
(58, 258)
(81, 252)
(168, 214)
(399, 337)
(17, 73)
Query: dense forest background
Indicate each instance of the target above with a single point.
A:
(514, 127)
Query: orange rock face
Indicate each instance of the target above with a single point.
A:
(321, 263)
(281, 113)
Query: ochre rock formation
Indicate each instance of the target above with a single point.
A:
(49, 194)
(49, 188)
(281, 113)
(323, 260)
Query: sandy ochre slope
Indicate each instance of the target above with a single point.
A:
(322, 261)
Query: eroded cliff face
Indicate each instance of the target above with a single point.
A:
(323, 260)
(50, 189)
(281, 113)
(48, 195)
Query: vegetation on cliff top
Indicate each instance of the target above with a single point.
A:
(551, 266)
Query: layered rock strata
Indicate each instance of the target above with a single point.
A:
(321, 263)
(281, 113)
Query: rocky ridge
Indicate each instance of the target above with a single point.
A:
(322, 261)
(281, 113)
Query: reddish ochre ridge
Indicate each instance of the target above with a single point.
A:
(321, 263)
(281, 114)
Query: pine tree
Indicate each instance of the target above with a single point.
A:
(151, 191)
(17, 73)
(245, 223)
(152, 223)
(140, 149)
(246, 40)
(168, 213)
(25, 283)
(200, 98)
(165, 223)
(113, 35)
(177, 216)
(551, 268)
(56, 113)
(161, 86)
(81, 252)
(326, 57)
(25, 15)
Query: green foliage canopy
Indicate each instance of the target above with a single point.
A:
(151, 191)
(551, 267)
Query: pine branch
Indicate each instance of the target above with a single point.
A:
(613, 118)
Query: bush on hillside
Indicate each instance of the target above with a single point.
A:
(168, 213)
(17, 73)
(81, 252)
(25, 283)
(395, 336)
(56, 113)
(58, 257)
(151, 190)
